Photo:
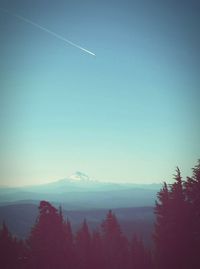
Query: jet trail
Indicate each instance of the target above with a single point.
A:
(49, 31)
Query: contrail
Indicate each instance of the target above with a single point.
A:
(48, 31)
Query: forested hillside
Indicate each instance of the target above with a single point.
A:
(52, 243)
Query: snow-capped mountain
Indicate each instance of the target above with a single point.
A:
(79, 191)
(79, 176)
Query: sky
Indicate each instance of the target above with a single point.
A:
(128, 114)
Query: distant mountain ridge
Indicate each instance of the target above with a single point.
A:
(80, 192)
(81, 197)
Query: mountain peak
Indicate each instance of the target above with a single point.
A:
(79, 176)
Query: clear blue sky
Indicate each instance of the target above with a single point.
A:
(129, 114)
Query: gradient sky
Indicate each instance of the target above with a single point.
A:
(129, 114)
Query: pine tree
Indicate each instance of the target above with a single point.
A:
(6, 248)
(83, 247)
(47, 239)
(68, 244)
(115, 245)
(12, 251)
(96, 251)
(180, 223)
(162, 228)
(172, 236)
(192, 190)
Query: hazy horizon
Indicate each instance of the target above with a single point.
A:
(99, 180)
(129, 114)
(70, 177)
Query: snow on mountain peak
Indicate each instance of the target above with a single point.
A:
(79, 176)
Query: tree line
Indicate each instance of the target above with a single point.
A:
(52, 244)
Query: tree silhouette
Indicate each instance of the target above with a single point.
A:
(115, 245)
(162, 229)
(47, 241)
(97, 258)
(12, 252)
(7, 255)
(180, 225)
(83, 247)
(192, 190)
(175, 224)
(68, 244)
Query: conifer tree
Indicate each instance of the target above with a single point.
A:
(162, 229)
(83, 247)
(115, 245)
(192, 190)
(68, 244)
(172, 236)
(12, 251)
(47, 239)
(6, 248)
(96, 251)
(180, 223)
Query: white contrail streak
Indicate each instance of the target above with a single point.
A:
(49, 31)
